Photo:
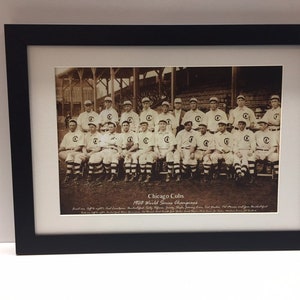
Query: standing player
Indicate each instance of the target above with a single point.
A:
(130, 116)
(266, 145)
(185, 141)
(111, 150)
(242, 112)
(70, 151)
(168, 117)
(144, 156)
(148, 115)
(223, 149)
(195, 115)
(214, 115)
(164, 148)
(273, 116)
(108, 114)
(129, 144)
(203, 147)
(178, 113)
(243, 151)
(86, 117)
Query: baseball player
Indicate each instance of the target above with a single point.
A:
(129, 144)
(203, 148)
(164, 148)
(241, 112)
(111, 150)
(144, 156)
(130, 116)
(259, 113)
(86, 117)
(194, 115)
(148, 115)
(108, 114)
(178, 113)
(267, 145)
(185, 141)
(273, 115)
(223, 149)
(168, 117)
(70, 151)
(243, 151)
(91, 152)
(214, 115)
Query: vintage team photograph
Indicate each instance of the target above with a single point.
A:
(148, 140)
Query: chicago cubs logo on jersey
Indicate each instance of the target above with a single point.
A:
(146, 140)
(109, 116)
(266, 140)
(91, 119)
(246, 116)
(95, 141)
(191, 139)
(75, 138)
(198, 118)
(167, 139)
(226, 141)
(168, 121)
(130, 139)
(246, 138)
(276, 116)
(205, 143)
(129, 119)
(148, 117)
(217, 118)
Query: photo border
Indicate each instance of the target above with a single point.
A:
(19, 37)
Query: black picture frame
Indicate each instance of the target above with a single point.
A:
(19, 37)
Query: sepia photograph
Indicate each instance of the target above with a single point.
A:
(152, 140)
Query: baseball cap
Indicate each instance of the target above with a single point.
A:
(145, 99)
(166, 103)
(164, 121)
(242, 97)
(107, 98)
(73, 121)
(193, 100)
(275, 97)
(213, 99)
(127, 102)
(222, 122)
(258, 110)
(177, 100)
(88, 102)
(262, 120)
(92, 123)
(241, 121)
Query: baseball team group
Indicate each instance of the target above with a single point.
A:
(181, 143)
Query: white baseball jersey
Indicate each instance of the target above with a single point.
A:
(195, 116)
(273, 116)
(72, 140)
(213, 117)
(185, 139)
(128, 137)
(92, 141)
(149, 116)
(108, 115)
(164, 140)
(133, 119)
(110, 140)
(264, 140)
(204, 141)
(223, 141)
(169, 118)
(243, 140)
(145, 140)
(241, 113)
(85, 118)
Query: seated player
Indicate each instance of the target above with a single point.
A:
(223, 149)
(164, 148)
(70, 151)
(185, 139)
(111, 150)
(243, 152)
(129, 144)
(144, 156)
(266, 145)
(203, 148)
